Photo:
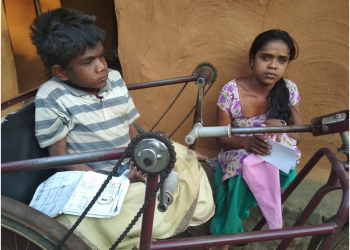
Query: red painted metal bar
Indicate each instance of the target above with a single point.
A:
(162, 82)
(63, 160)
(32, 92)
(148, 215)
(19, 98)
(241, 238)
(337, 173)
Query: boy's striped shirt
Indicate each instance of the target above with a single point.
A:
(87, 122)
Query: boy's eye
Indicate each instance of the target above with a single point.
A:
(87, 63)
(104, 54)
(264, 57)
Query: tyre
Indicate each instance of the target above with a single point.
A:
(15, 235)
(23, 227)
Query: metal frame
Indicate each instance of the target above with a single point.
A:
(338, 179)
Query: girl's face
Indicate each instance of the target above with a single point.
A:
(270, 62)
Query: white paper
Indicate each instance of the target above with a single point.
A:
(282, 157)
(52, 195)
(107, 205)
(71, 192)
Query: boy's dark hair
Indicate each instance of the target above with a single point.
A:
(60, 35)
(278, 97)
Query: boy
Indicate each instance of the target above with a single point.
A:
(85, 106)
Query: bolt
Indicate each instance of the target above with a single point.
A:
(324, 128)
(337, 116)
(200, 81)
(147, 162)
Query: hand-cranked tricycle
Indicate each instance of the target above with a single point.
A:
(25, 165)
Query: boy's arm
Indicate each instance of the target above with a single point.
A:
(60, 148)
(132, 131)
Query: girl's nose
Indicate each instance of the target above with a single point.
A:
(273, 64)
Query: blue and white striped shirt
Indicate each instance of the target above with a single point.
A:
(87, 122)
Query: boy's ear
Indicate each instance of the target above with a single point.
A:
(58, 72)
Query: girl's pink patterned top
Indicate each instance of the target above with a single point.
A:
(231, 161)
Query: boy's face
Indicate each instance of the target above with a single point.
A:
(88, 71)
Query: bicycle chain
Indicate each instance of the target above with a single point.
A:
(195, 72)
(128, 152)
(210, 85)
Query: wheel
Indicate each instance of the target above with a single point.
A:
(17, 236)
(23, 227)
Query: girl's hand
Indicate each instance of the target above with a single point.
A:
(257, 144)
(274, 123)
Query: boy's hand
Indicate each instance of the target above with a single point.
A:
(257, 144)
(274, 123)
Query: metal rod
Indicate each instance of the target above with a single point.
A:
(337, 172)
(198, 111)
(19, 98)
(148, 215)
(306, 213)
(199, 131)
(240, 238)
(32, 92)
(63, 160)
(345, 138)
(285, 129)
(37, 7)
(162, 82)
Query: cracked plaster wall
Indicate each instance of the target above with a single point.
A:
(166, 39)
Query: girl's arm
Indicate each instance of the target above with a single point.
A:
(254, 144)
(297, 120)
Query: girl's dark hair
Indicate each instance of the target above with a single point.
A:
(60, 35)
(278, 98)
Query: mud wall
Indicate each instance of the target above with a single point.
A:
(166, 39)
(30, 70)
(8, 69)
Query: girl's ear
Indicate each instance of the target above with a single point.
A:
(58, 72)
(251, 61)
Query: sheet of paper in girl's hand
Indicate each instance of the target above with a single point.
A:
(282, 157)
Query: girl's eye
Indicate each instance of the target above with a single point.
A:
(265, 58)
(283, 60)
(87, 63)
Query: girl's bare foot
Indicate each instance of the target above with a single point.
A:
(136, 176)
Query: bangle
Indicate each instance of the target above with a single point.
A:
(284, 122)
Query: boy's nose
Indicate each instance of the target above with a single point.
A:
(101, 65)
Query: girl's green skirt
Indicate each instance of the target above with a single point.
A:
(233, 201)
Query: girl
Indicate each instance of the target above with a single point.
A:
(263, 98)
